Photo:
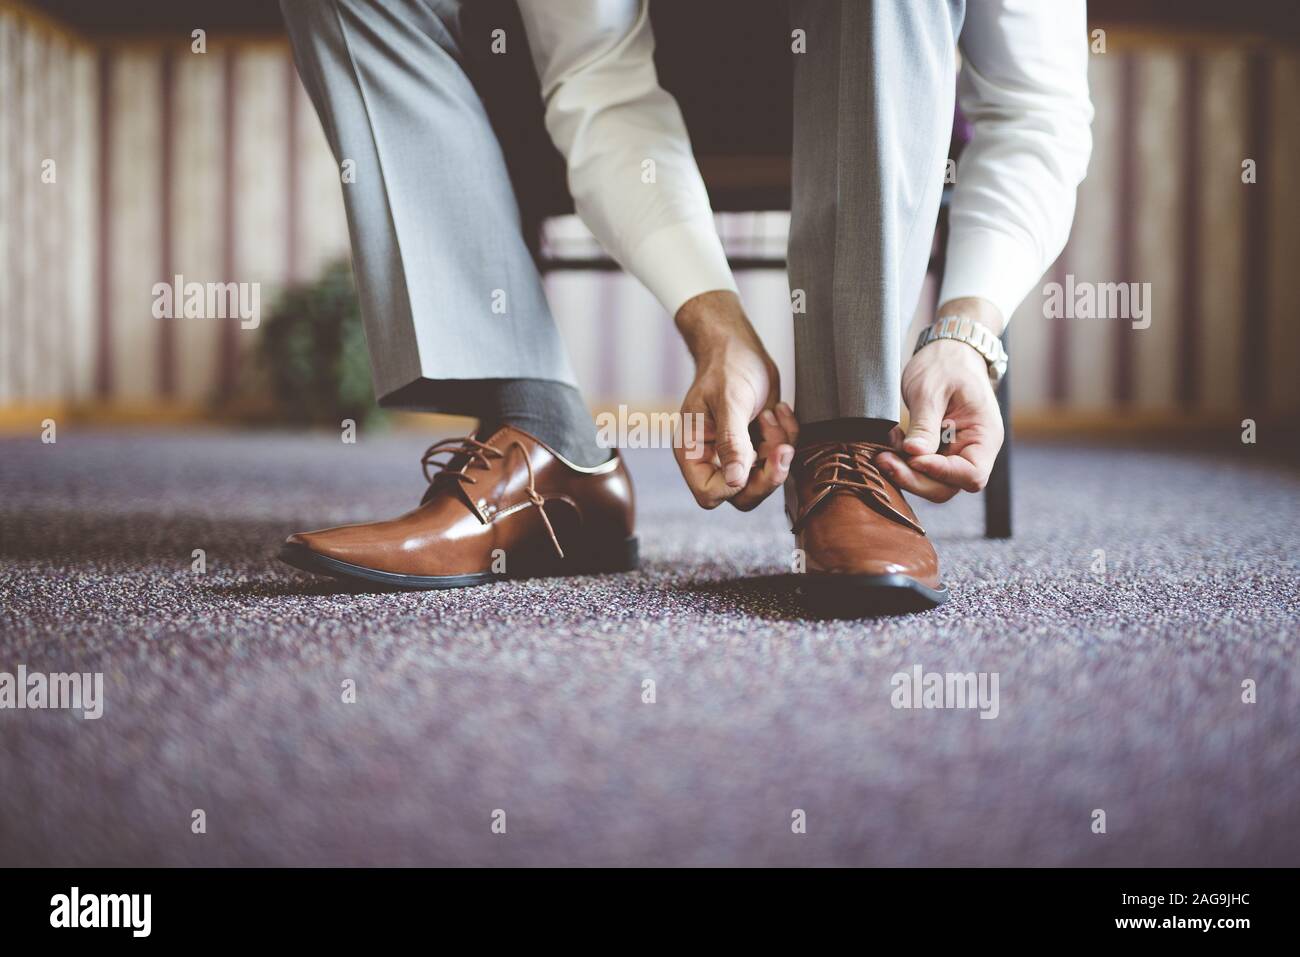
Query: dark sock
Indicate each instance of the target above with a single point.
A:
(551, 411)
(846, 430)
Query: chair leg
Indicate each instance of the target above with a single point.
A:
(997, 494)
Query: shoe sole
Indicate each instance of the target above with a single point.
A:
(867, 596)
(624, 558)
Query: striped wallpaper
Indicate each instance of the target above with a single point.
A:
(214, 166)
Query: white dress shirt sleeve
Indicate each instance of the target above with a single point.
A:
(1024, 87)
(630, 168)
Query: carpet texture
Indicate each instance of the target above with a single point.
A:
(1119, 690)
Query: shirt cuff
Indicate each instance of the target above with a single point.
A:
(990, 265)
(679, 262)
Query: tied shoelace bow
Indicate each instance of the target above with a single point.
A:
(850, 466)
(470, 453)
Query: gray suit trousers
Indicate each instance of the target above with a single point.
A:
(873, 108)
(448, 288)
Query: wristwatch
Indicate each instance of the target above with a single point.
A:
(975, 334)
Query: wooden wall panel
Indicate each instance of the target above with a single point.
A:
(9, 186)
(1283, 325)
(197, 211)
(254, 192)
(1221, 201)
(27, 203)
(133, 227)
(261, 188)
(1159, 157)
(79, 244)
(323, 228)
(1084, 355)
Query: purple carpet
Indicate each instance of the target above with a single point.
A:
(1142, 628)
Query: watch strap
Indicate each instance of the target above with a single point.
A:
(975, 334)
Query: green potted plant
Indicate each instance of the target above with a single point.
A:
(312, 353)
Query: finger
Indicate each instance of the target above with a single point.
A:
(694, 436)
(785, 416)
(896, 436)
(775, 452)
(693, 450)
(772, 433)
(982, 452)
(926, 424)
(951, 470)
(703, 478)
(899, 472)
(732, 443)
(767, 479)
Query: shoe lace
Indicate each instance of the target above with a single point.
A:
(848, 465)
(467, 453)
(463, 454)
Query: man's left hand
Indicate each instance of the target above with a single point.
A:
(955, 428)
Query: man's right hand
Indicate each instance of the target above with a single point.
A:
(736, 382)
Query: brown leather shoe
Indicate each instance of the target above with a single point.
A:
(508, 507)
(864, 551)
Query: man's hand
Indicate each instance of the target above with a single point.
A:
(955, 429)
(736, 382)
